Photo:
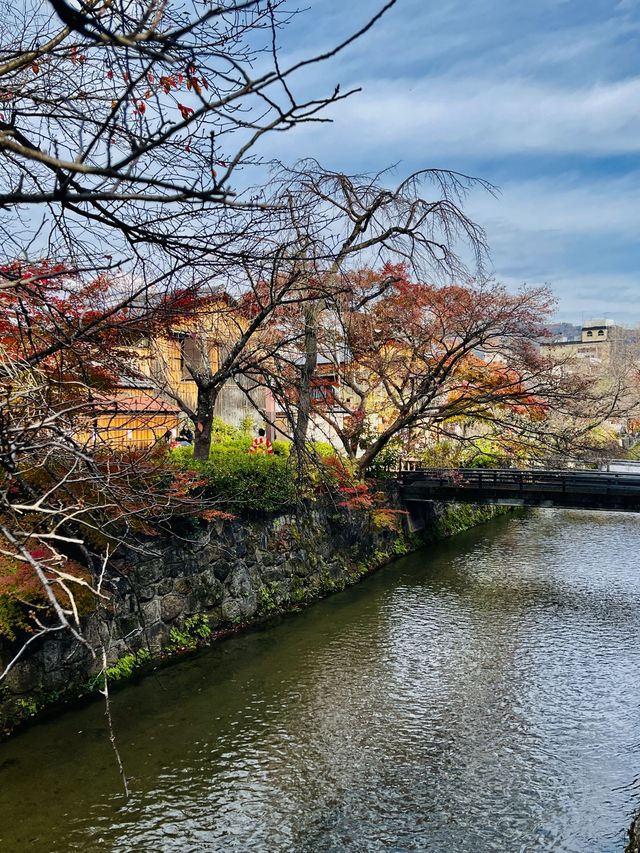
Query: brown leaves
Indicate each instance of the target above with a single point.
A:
(77, 58)
(185, 112)
(192, 83)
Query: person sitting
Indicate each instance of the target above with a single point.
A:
(185, 438)
(261, 444)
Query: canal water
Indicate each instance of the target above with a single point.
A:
(481, 695)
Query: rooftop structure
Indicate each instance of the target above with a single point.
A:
(597, 329)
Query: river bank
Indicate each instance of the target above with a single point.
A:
(170, 597)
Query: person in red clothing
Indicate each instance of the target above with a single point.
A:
(260, 444)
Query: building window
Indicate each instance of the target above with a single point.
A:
(601, 333)
(589, 334)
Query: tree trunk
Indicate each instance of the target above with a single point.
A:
(204, 420)
(372, 451)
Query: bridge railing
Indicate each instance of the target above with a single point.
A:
(511, 479)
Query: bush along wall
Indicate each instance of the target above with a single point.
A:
(174, 595)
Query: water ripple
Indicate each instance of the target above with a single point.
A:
(479, 696)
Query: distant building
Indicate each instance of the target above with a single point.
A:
(151, 400)
(602, 345)
(608, 353)
(597, 330)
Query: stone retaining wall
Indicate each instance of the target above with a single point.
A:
(175, 593)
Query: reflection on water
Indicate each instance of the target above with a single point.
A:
(478, 696)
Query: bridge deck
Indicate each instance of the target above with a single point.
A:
(568, 488)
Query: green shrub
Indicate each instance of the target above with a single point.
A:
(266, 601)
(182, 457)
(281, 447)
(239, 481)
(123, 668)
(322, 449)
(386, 463)
(222, 432)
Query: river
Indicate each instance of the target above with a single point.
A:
(480, 695)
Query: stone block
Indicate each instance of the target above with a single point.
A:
(300, 570)
(270, 574)
(210, 592)
(24, 677)
(146, 593)
(239, 582)
(52, 656)
(149, 572)
(165, 586)
(127, 625)
(171, 607)
(182, 586)
(248, 605)
(194, 604)
(230, 609)
(222, 568)
(157, 637)
(151, 611)
(206, 555)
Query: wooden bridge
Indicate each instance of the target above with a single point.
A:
(575, 489)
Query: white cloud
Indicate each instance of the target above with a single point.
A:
(576, 234)
(616, 296)
(417, 121)
(568, 204)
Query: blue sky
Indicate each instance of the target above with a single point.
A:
(541, 98)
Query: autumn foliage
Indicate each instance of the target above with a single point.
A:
(69, 498)
(397, 357)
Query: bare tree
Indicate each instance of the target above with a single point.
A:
(123, 131)
(122, 128)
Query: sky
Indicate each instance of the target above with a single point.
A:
(540, 98)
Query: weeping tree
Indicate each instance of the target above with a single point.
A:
(349, 222)
(410, 339)
(399, 361)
